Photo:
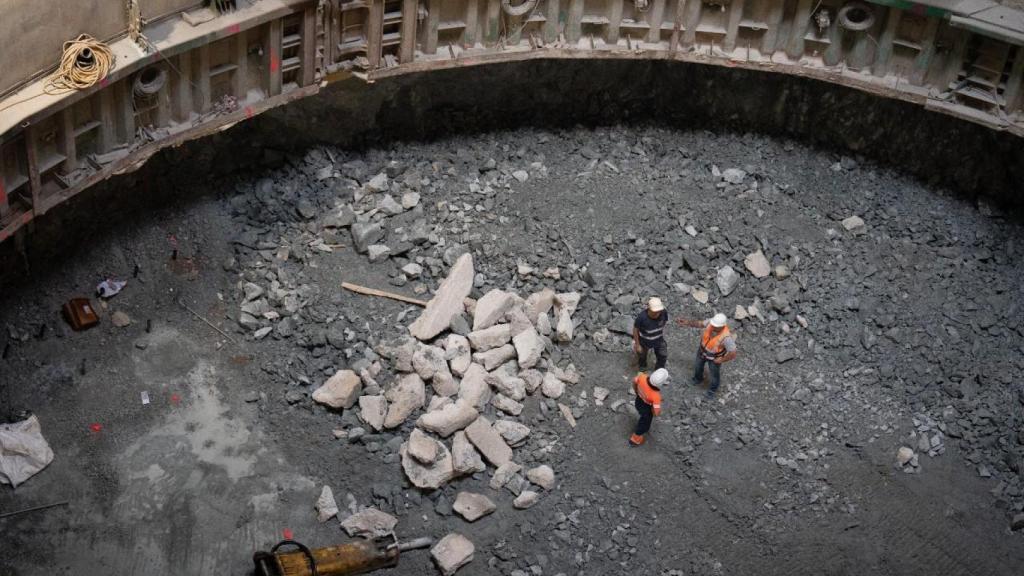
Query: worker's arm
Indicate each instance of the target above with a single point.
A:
(729, 356)
(657, 409)
(636, 339)
(690, 323)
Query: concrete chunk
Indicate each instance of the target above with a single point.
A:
(489, 338)
(552, 387)
(422, 447)
(504, 474)
(458, 353)
(373, 410)
(453, 552)
(473, 506)
(429, 476)
(542, 476)
(447, 302)
(491, 308)
(757, 264)
(340, 391)
(539, 303)
(496, 357)
(526, 499)
(465, 458)
(507, 405)
(369, 522)
(405, 398)
(326, 507)
(529, 347)
(474, 388)
(449, 419)
(488, 441)
(513, 432)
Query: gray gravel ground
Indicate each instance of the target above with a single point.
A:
(862, 340)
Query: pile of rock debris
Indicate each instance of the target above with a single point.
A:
(480, 370)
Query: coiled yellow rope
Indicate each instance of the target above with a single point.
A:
(84, 62)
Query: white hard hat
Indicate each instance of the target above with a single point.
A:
(655, 304)
(719, 320)
(659, 377)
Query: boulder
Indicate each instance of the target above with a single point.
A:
(513, 432)
(526, 499)
(496, 357)
(539, 303)
(474, 388)
(365, 234)
(458, 353)
(447, 302)
(757, 264)
(507, 405)
(326, 507)
(428, 476)
(422, 447)
(373, 410)
(552, 387)
(542, 476)
(465, 458)
(404, 398)
(504, 474)
(491, 308)
(473, 506)
(370, 523)
(854, 224)
(529, 347)
(490, 338)
(727, 280)
(340, 391)
(488, 441)
(564, 326)
(453, 552)
(451, 418)
(504, 383)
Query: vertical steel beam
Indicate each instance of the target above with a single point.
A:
(274, 56)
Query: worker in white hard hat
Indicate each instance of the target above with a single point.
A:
(717, 346)
(648, 402)
(649, 334)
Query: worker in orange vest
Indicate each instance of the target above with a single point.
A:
(717, 346)
(648, 402)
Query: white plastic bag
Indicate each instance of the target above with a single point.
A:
(23, 451)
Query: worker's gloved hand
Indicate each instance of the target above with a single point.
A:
(636, 347)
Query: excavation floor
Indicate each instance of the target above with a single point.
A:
(907, 326)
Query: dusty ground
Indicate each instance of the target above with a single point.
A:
(913, 327)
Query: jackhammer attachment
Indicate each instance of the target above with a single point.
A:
(356, 557)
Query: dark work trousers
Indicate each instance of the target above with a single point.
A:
(646, 416)
(660, 353)
(698, 372)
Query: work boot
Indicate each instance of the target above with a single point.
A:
(636, 440)
(710, 394)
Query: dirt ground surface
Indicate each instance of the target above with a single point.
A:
(901, 330)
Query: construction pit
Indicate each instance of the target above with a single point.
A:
(293, 317)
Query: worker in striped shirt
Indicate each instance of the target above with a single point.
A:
(649, 334)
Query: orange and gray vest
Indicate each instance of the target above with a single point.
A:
(713, 345)
(647, 393)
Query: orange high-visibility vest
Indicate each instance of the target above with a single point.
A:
(647, 393)
(712, 345)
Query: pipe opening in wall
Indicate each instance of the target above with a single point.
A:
(856, 16)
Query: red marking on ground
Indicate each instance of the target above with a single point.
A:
(234, 28)
(275, 63)
(175, 398)
(287, 534)
(249, 112)
(96, 427)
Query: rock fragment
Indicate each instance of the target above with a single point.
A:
(340, 391)
(453, 552)
(529, 347)
(489, 442)
(428, 476)
(326, 507)
(449, 419)
(727, 280)
(447, 302)
(542, 476)
(369, 522)
(373, 410)
(526, 499)
(404, 398)
(758, 264)
(473, 506)
(465, 458)
(491, 308)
